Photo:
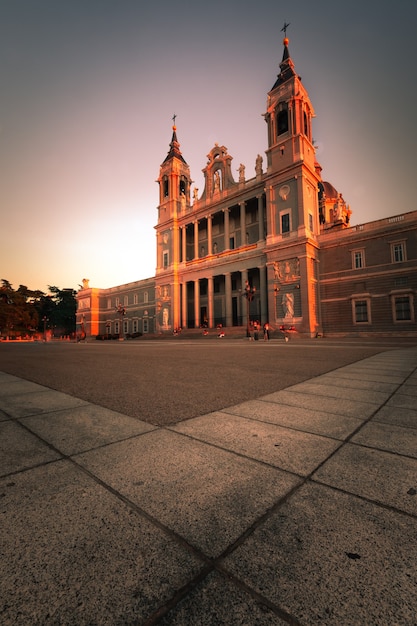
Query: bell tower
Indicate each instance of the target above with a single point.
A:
(174, 200)
(292, 201)
(289, 115)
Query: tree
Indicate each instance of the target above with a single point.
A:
(65, 309)
(18, 315)
(23, 311)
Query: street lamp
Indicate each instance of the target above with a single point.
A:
(122, 312)
(249, 295)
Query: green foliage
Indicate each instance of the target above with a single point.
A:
(24, 312)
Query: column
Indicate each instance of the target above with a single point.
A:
(197, 303)
(184, 304)
(228, 296)
(226, 229)
(184, 243)
(263, 295)
(261, 218)
(270, 207)
(196, 255)
(243, 304)
(210, 301)
(242, 223)
(209, 236)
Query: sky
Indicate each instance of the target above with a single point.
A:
(88, 89)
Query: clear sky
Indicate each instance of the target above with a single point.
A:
(88, 89)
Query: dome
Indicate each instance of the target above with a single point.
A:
(329, 190)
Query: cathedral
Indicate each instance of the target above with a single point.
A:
(274, 246)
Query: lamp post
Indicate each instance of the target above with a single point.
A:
(122, 312)
(249, 295)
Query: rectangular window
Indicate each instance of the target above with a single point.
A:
(232, 243)
(402, 309)
(310, 222)
(125, 326)
(358, 259)
(126, 300)
(109, 303)
(360, 311)
(117, 301)
(135, 298)
(398, 252)
(135, 326)
(285, 223)
(145, 297)
(145, 325)
(165, 260)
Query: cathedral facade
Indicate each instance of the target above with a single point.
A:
(274, 247)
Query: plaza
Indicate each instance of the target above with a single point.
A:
(275, 483)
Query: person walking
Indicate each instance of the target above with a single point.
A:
(266, 331)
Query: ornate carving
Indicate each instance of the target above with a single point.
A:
(287, 271)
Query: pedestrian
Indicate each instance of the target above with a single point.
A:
(266, 331)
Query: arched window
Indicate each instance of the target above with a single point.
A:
(166, 187)
(282, 119)
(306, 125)
(183, 186)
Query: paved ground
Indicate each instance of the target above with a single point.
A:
(223, 483)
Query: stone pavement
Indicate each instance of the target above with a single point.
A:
(297, 507)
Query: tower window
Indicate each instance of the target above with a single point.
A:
(282, 120)
(182, 187)
(166, 187)
(285, 223)
(165, 260)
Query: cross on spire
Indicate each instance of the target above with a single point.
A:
(174, 117)
(284, 28)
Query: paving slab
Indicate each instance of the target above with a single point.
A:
(73, 553)
(207, 495)
(84, 427)
(367, 377)
(388, 437)
(220, 600)
(298, 418)
(12, 386)
(403, 401)
(342, 392)
(397, 415)
(291, 450)
(36, 402)
(21, 450)
(386, 478)
(339, 406)
(330, 558)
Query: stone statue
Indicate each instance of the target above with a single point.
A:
(165, 317)
(216, 181)
(241, 171)
(288, 305)
(258, 165)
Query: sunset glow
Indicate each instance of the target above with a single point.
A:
(89, 90)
